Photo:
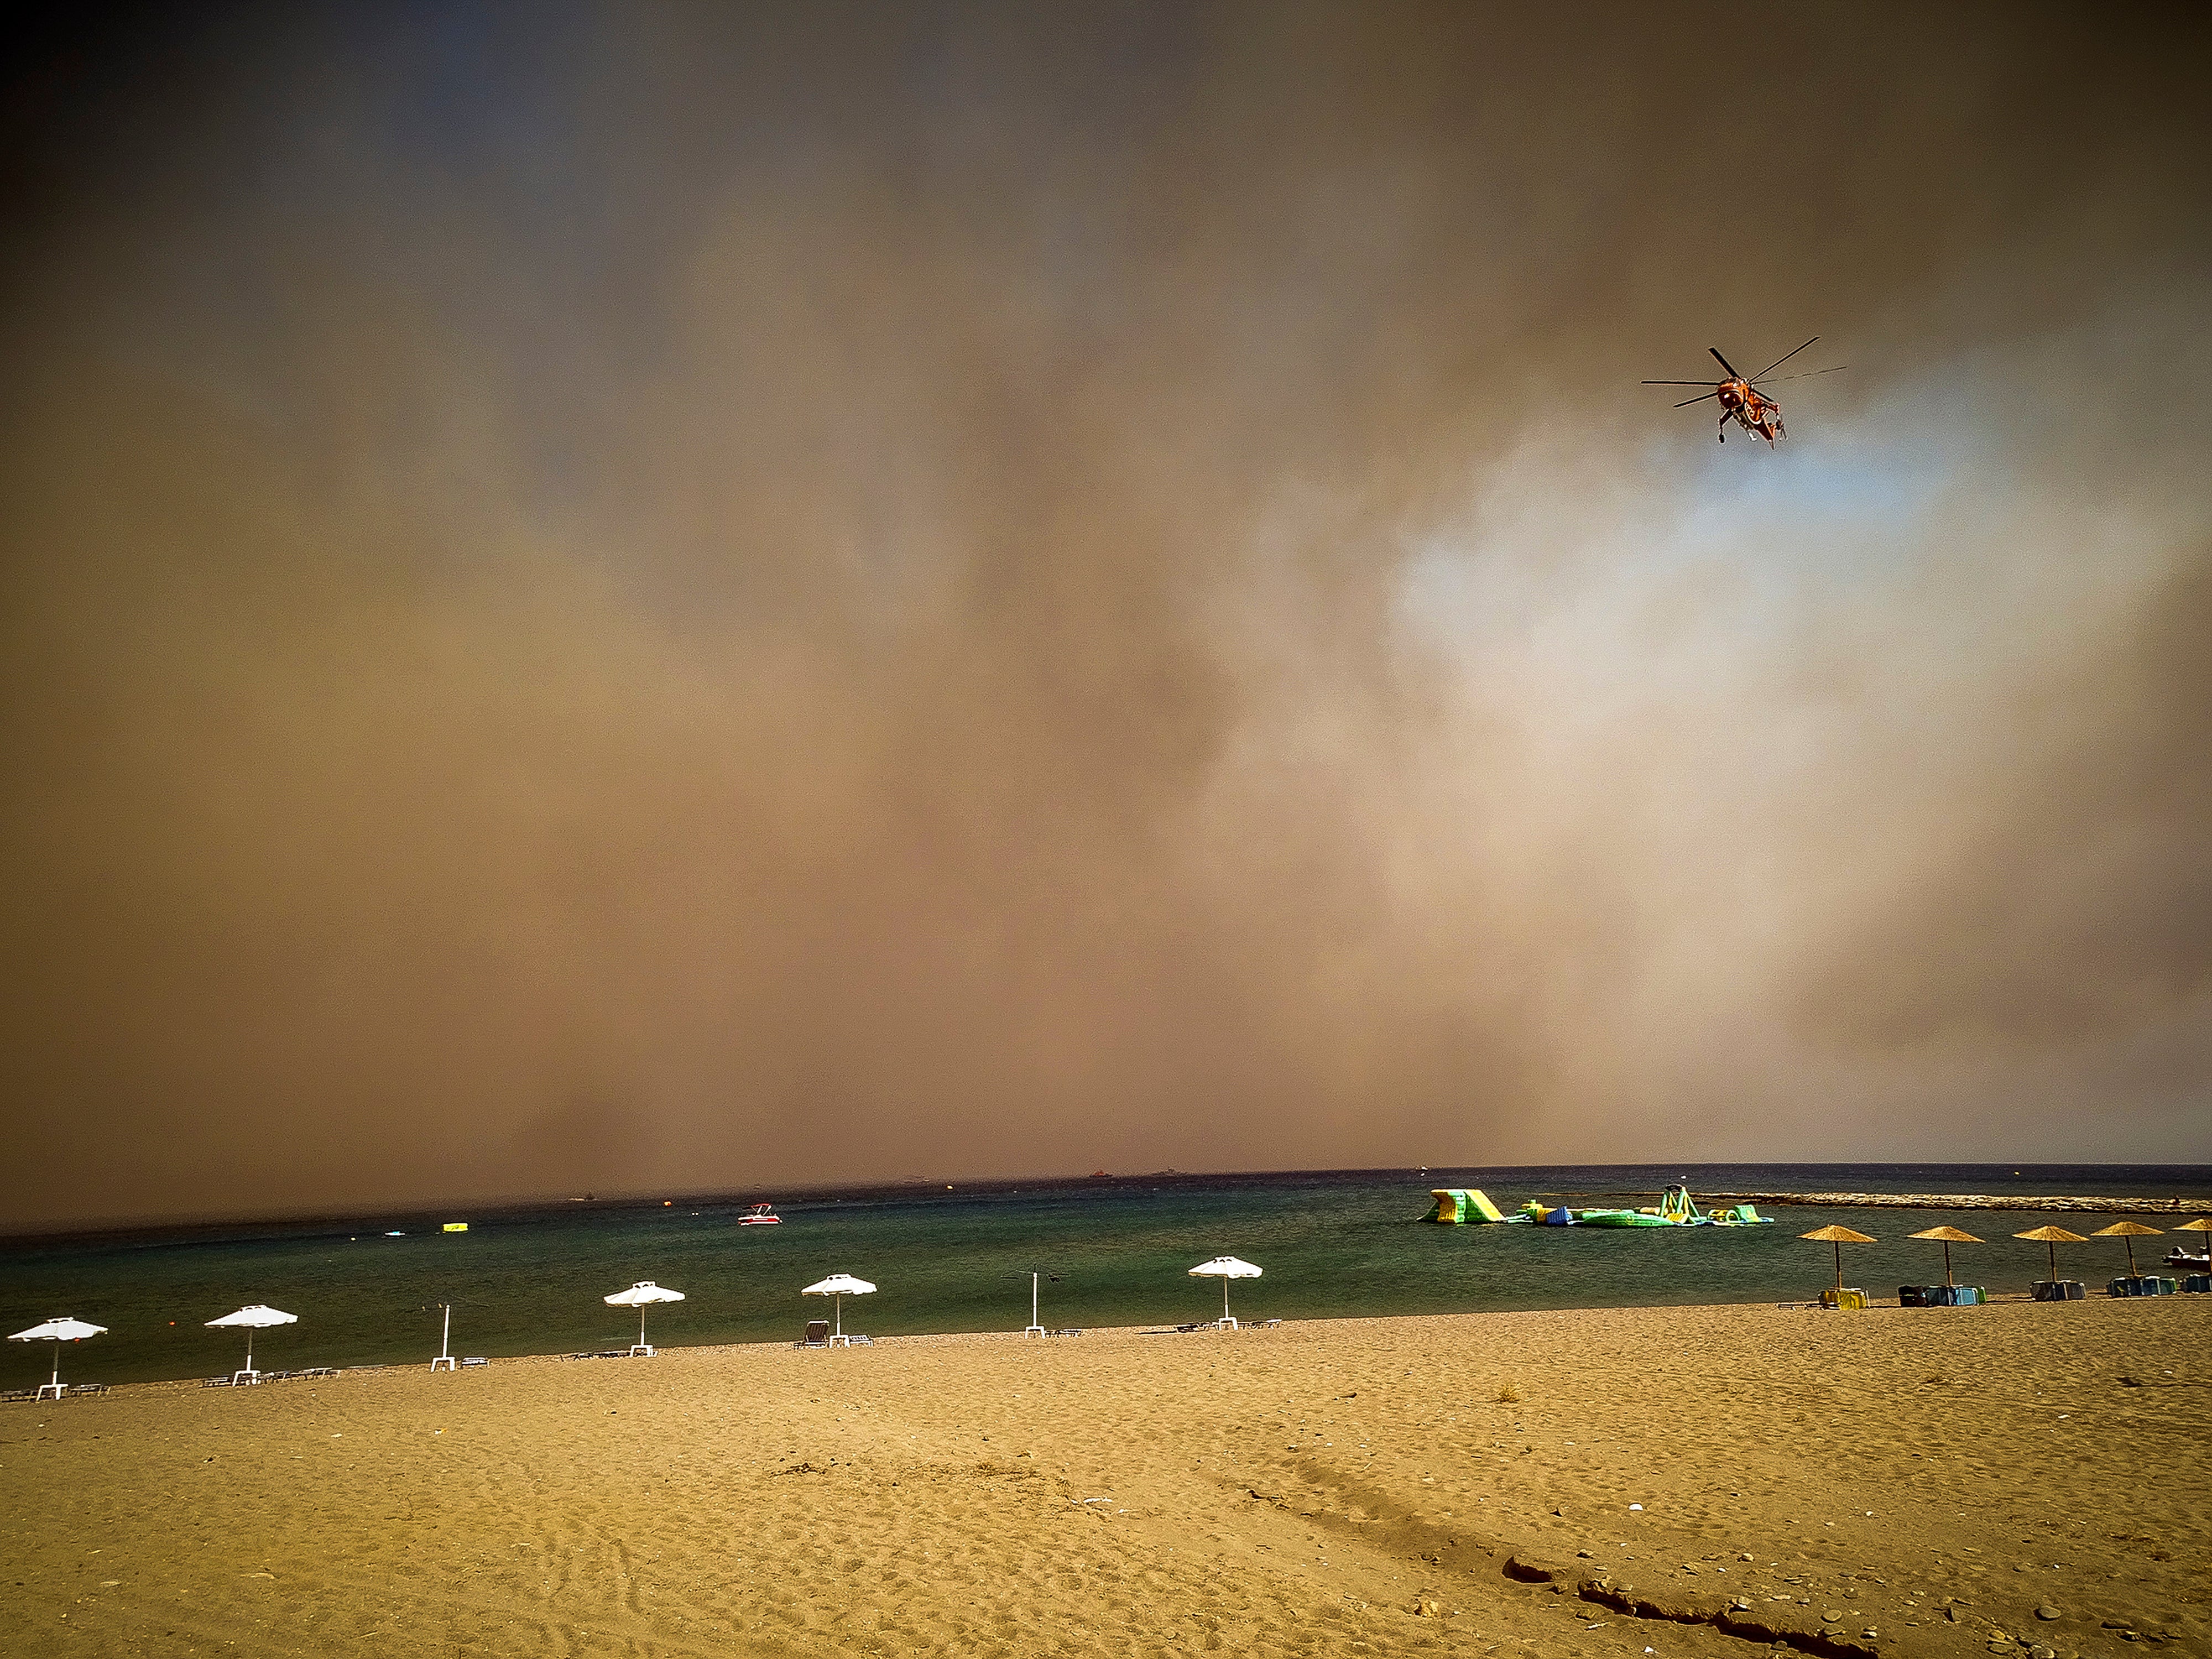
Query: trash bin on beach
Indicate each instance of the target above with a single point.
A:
(2058, 1290)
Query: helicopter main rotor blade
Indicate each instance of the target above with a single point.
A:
(1681, 383)
(1810, 372)
(1686, 402)
(1778, 361)
(1725, 363)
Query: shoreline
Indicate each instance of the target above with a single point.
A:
(1809, 1306)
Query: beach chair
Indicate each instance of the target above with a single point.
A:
(2196, 1283)
(2140, 1284)
(2058, 1290)
(1850, 1298)
(474, 1362)
(817, 1334)
(1920, 1296)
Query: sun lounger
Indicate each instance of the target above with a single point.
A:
(817, 1334)
(2197, 1282)
(476, 1362)
(77, 1389)
(17, 1394)
(1071, 1330)
(1850, 1297)
(2058, 1290)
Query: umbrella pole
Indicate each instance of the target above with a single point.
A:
(249, 1347)
(1839, 1270)
(57, 1371)
(2131, 1258)
(1946, 1261)
(2052, 1249)
(640, 1324)
(837, 1313)
(1224, 1298)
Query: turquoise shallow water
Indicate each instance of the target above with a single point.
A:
(1332, 1245)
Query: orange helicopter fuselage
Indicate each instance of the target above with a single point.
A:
(1751, 410)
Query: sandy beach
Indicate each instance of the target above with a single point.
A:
(1937, 1482)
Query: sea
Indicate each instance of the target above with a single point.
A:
(370, 1289)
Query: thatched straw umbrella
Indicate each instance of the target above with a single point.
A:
(1837, 1237)
(2130, 1230)
(2050, 1238)
(1950, 1236)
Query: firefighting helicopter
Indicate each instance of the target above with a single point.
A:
(1740, 399)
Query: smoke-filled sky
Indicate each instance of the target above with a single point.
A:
(646, 598)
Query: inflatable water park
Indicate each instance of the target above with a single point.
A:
(1464, 1206)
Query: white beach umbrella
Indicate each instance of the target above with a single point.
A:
(59, 1331)
(838, 1286)
(1224, 1268)
(255, 1318)
(641, 1296)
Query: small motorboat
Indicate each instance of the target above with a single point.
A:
(761, 1215)
(2195, 1264)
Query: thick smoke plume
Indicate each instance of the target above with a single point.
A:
(652, 598)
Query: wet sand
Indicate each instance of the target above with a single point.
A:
(1935, 1476)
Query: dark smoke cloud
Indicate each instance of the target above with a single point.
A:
(664, 599)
